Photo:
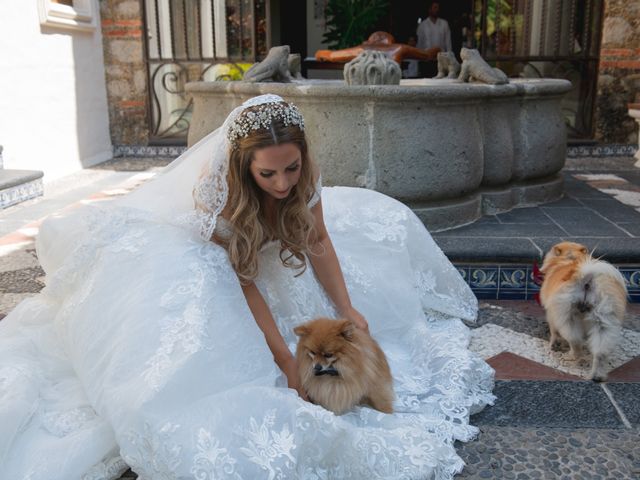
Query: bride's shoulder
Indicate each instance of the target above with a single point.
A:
(315, 172)
(224, 221)
(317, 187)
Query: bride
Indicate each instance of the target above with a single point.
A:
(163, 338)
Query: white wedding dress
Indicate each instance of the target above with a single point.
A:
(142, 351)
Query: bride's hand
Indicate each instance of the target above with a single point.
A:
(357, 318)
(290, 369)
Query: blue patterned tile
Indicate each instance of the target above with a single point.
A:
(533, 288)
(463, 270)
(486, 294)
(531, 284)
(531, 295)
(147, 151)
(613, 150)
(483, 277)
(513, 278)
(632, 277)
(512, 295)
(515, 282)
(20, 193)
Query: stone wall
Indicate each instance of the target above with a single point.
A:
(619, 72)
(125, 69)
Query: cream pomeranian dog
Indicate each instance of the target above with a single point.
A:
(585, 301)
(341, 366)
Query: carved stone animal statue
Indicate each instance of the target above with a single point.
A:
(474, 67)
(295, 66)
(372, 68)
(447, 65)
(274, 68)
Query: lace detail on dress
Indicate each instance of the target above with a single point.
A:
(210, 196)
(284, 292)
(455, 299)
(266, 445)
(212, 461)
(62, 424)
(110, 469)
(378, 223)
(116, 230)
(469, 380)
(184, 328)
(156, 456)
(131, 242)
(354, 275)
(407, 453)
(9, 376)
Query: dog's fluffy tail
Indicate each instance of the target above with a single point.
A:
(603, 288)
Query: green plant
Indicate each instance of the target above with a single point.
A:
(349, 21)
(499, 17)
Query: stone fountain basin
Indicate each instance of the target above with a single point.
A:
(451, 151)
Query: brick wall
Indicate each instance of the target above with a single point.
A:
(125, 70)
(619, 72)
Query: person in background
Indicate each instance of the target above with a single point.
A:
(434, 31)
(412, 69)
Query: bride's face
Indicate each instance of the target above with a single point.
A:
(276, 169)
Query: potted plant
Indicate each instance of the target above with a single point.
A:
(349, 21)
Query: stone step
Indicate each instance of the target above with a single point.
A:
(19, 185)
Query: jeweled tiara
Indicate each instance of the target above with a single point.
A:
(261, 117)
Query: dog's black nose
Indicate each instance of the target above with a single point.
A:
(317, 368)
(583, 307)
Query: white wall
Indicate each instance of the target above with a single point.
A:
(53, 100)
(315, 31)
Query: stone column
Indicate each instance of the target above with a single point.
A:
(619, 61)
(125, 69)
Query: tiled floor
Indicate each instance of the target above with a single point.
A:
(531, 342)
(514, 452)
(548, 423)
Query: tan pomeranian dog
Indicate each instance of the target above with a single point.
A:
(585, 301)
(341, 366)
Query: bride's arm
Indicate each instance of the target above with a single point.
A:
(327, 267)
(281, 354)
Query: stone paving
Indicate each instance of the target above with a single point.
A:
(601, 209)
(548, 422)
(515, 452)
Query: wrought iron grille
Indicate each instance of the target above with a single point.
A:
(190, 40)
(546, 38)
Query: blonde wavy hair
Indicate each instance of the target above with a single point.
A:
(245, 210)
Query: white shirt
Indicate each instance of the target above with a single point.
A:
(432, 34)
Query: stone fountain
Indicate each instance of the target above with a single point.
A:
(451, 151)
